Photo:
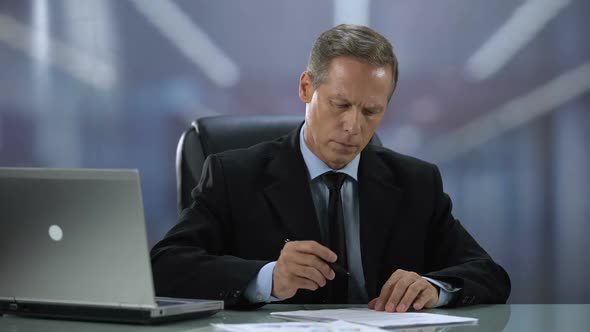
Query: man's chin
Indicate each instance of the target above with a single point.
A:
(345, 149)
(345, 155)
(339, 162)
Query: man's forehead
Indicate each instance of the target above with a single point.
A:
(380, 71)
(370, 102)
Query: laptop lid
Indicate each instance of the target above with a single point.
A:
(74, 237)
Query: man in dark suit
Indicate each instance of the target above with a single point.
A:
(320, 216)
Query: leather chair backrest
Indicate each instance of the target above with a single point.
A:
(215, 134)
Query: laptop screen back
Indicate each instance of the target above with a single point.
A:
(73, 236)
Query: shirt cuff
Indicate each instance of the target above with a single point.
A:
(447, 292)
(260, 288)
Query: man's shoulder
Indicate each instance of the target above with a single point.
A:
(253, 157)
(400, 163)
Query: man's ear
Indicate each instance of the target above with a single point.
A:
(305, 87)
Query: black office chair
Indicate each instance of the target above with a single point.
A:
(215, 134)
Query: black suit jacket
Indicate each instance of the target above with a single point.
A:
(249, 201)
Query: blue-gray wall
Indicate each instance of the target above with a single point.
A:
(104, 83)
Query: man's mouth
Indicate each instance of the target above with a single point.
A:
(347, 146)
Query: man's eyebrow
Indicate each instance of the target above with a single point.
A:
(339, 99)
(374, 107)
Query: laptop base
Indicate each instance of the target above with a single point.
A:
(96, 314)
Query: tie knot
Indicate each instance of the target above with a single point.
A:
(334, 180)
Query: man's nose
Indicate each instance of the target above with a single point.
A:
(352, 121)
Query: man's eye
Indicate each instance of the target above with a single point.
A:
(342, 105)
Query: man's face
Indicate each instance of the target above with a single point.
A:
(343, 113)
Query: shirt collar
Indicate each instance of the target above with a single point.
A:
(317, 167)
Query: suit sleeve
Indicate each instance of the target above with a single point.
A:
(455, 257)
(194, 258)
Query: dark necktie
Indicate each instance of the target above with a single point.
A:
(337, 240)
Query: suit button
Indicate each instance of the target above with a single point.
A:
(221, 294)
(236, 294)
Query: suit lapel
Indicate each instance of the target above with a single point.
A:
(379, 199)
(289, 193)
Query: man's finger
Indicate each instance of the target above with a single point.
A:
(371, 303)
(432, 294)
(314, 248)
(314, 262)
(413, 291)
(386, 291)
(304, 283)
(397, 293)
(421, 301)
(309, 273)
(383, 296)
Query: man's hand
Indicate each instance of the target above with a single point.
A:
(302, 264)
(403, 289)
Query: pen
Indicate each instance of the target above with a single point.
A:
(336, 267)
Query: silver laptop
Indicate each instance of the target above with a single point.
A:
(73, 245)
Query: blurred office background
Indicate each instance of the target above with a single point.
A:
(495, 92)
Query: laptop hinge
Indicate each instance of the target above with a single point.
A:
(12, 305)
(136, 306)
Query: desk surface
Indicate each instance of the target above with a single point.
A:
(519, 317)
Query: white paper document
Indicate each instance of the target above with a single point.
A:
(374, 318)
(335, 326)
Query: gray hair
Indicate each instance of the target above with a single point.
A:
(356, 41)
